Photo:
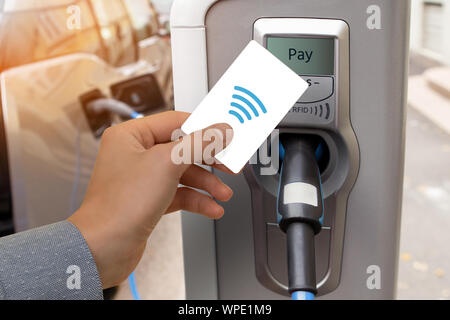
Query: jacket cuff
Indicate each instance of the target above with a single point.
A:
(48, 263)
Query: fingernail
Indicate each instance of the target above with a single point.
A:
(230, 193)
(219, 212)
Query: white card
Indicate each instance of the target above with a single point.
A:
(253, 96)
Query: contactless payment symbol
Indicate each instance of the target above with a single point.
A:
(243, 105)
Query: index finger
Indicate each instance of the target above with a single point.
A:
(157, 128)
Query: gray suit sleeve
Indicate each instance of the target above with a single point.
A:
(49, 263)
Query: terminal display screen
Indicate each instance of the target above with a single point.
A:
(305, 56)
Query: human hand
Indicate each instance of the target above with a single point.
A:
(135, 182)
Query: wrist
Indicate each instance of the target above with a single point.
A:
(97, 239)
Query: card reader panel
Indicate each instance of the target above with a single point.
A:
(318, 51)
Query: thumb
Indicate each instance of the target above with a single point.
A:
(199, 147)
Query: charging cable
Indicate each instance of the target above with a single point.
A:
(300, 211)
(133, 286)
(114, 106)
(124, 110)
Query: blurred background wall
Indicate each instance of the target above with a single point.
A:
(424, 267)
(430, 29)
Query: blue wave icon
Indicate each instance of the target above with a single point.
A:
(244, 97)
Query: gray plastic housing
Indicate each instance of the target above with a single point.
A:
(377, 98)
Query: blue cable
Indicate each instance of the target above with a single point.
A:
(132, 277)
(133, 287)
(303, 295)
(136, 115)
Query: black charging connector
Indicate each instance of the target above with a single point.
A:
(98, 121)
(300, 208)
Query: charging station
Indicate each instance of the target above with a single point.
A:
(353, 54)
